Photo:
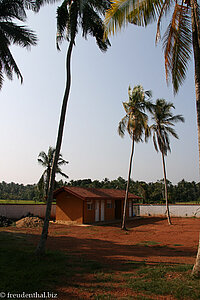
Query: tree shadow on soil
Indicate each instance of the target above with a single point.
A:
(106, 250)
(82, 263)
(132, 223)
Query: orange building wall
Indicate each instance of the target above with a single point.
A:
(69, 208)
(72, 209)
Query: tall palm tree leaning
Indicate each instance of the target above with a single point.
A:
(135, 122)
(13, 34)
(46, 160)
(183, 33)
(161, 128)
(70, 16)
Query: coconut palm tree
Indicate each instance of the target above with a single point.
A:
(135, 122)
(181, 37)
(72, 15)
(46, 160)
(12, 34)
(162, 127)
(183, 33)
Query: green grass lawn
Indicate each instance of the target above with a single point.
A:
(21, 271)
(191, 202)
(7, 201)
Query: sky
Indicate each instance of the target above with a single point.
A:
(30, 112)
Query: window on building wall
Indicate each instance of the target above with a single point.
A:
(109, 203)
(89, 205)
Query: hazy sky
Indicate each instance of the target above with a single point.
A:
(30, 112)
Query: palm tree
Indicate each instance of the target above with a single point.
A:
(163, 127)
(135, 122)
(70, 16)
(46, 160)
(182, 34)
(12, 34)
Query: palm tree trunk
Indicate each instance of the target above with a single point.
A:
(196, 267)
(127, 187)
(166, 194)
(47, 182)
(196, 50)
(40, 250)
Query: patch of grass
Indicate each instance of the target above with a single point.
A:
(88, 266)
(92, 228)
(134, 264)
(110, 297)
(177, 245)
(103, 297)
(189, 202)
(8, 201)
(136, 298)
(147, 243)
(66, 232)
(21, 271)
(103, 277)
(166, 280)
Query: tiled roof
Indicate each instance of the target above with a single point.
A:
(88, 193)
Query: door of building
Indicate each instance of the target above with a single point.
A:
(102, 209)
(130, 208)
(118, 209)
(96, 210)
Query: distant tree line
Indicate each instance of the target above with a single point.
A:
(16, 191)
(152, 192)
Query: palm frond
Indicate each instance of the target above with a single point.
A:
(61, 173)
(147, 133)
(176, 119)
(46, 160)
(10, 9)
(8, 64)
(138, 12)
(148, 93)
(1, 77)
(172, 132)
(177, 46)
(155, 141)
(41, 183)
(11, 33)
(35, 5)
(62, 21)
(145, 12)
(163, 125)
(118, 15)
(61, 161)
(122, 126)
(92, 24)
(163, 9)
(18, 35)
(135, 121)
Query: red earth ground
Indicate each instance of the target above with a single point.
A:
(111, 246)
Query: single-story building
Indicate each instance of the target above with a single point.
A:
(89, 205)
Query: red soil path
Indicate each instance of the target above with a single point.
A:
(176, 243)
(109, 245)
